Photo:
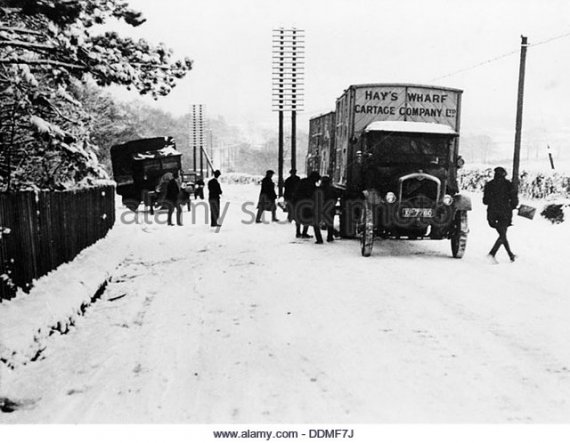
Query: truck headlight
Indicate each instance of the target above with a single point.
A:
(447, 200)
(390, 198)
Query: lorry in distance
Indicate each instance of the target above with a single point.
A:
(140, 166)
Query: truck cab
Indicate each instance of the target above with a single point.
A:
(407, 172)
(391, 150)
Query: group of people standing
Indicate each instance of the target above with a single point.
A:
(175, 196)
(307, 204)
(310, 204)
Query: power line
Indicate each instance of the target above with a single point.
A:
(499, 57)
(548, 40)
(486, 62)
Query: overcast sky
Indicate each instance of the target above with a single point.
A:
(366, 41)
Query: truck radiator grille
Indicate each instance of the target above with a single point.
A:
(415, 188)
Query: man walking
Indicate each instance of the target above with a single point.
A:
(501, 199)
(214, 193)
(267, 197)
(290, 186)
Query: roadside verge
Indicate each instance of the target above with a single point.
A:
(57, 300)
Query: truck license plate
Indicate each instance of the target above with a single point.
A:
(417, 212)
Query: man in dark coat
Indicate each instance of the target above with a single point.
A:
(290, 186)
(501, 199)
(304, 207)
(172, 199)
(267, 198)
(214, 193)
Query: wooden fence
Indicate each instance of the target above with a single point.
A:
(47, 229)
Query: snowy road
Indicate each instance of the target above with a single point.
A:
(249, 325)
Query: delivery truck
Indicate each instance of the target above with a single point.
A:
(394, 161)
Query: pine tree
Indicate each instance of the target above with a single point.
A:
(47, 48)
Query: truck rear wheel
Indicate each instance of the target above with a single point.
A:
(367, 234)
(459, 235)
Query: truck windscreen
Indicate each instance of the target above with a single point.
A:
(421, 149)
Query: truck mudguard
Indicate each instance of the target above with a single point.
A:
(463, 203)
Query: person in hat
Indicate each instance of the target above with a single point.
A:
(267, 197)
(304, 206)
(501, 199)
(214, 193)
(290, 186)
(172, 199)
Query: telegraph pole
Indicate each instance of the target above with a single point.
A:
(211, 140)
(280, 181)
(293, 139)
(520, 102)
(193, 136)
(550, 158)
(201, 121)
(288, 75)
(197, 137)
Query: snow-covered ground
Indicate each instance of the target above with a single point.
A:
(250, 325)
(57, 300)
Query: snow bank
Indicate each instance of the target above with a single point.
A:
(56, 300)
(240, 178)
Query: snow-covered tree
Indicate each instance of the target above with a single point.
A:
(47, 47)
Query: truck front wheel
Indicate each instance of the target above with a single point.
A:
(459, 235)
